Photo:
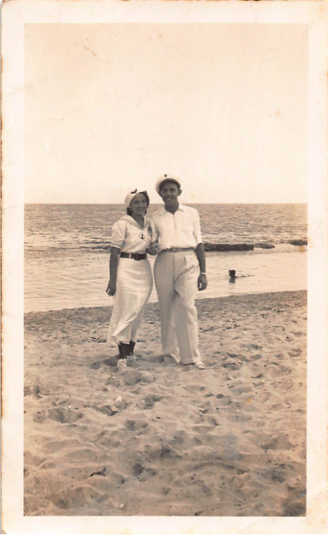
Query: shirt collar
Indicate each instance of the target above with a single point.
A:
(132, 221)
(180, 207)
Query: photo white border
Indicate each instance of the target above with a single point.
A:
(16, 13)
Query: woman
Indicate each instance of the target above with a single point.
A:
(130, 274)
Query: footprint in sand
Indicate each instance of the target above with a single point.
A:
(163, 452)
(225, 400)
(256, 357)
(40, 416)
(206, 407)
(242, 389)
(150, 401)
(137, 469)
(131, 376)
(230, 366)
(295, 352)
(277, 442)
(298, 333)
(134, 425)
(107, 410)
(27, 390)
(212, 421)
(258, 377)
(64, 416)
(70, 498)
(96, 366)
(109, 362)
(36, 391)
(278, 476)
(239, 418)
(295, 509)
(193, 388)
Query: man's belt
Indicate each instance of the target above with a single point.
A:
(175, 250)
(135, 256)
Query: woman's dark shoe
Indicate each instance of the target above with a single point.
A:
(131, 348)
(123, 353)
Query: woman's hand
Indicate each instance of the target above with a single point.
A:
(111, 288)
(154, 248)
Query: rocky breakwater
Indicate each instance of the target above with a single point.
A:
(228, 247)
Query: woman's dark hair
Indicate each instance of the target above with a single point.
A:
(129, 210)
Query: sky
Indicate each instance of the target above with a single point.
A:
(111, 107)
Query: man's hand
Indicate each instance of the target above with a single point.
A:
(111, 288)
(202, 282)
(154, 248)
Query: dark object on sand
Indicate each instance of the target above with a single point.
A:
(100, 473)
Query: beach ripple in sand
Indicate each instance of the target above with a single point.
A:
(162, 439)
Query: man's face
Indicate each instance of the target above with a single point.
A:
(169, 193)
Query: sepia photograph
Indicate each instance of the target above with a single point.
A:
(166, 227)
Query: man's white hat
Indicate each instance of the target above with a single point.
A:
(167, 177)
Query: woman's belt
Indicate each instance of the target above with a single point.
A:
(135, 256)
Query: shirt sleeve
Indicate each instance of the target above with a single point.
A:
(118, 234)
(197, 229)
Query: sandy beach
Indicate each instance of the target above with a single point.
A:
(159, 438)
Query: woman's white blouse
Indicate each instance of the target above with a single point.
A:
(128, 236)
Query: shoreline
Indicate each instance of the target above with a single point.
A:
(159, 438)
(154, 305)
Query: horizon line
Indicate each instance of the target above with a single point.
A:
(186, 203)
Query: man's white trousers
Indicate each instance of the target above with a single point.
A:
(176, 275)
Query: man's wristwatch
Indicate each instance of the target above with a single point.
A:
(202, 273)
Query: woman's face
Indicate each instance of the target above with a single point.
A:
(139, 205)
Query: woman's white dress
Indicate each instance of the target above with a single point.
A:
(134, 280)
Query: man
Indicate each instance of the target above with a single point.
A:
(179, 270)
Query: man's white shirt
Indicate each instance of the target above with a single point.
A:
(179, 230)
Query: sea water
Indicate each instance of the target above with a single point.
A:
(66, 260)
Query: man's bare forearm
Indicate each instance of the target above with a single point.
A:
(200, 252)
